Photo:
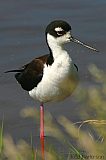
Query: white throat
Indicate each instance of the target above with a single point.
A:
(56, 46)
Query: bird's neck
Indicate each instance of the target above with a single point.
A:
(55, 48)
(57, 51)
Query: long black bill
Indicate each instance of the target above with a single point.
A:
(83, 44)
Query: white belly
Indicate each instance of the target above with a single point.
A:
(58, 82)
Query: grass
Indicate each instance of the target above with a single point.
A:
(1, 138)
(85, 146)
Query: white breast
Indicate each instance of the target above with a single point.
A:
(58, 82)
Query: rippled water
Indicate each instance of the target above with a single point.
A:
(22, 27)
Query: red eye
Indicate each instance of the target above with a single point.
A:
(60, 33)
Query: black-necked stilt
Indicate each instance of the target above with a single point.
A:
(54, 76)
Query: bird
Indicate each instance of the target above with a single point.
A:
(54, 76)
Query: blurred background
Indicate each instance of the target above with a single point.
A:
(22, 37)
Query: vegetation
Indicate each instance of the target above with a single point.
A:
(85, 144)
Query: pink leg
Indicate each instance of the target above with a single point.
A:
(42, 130)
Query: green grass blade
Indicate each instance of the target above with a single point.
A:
(75, 151)
(1, 137)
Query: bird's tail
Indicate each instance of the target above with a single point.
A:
(15, 70)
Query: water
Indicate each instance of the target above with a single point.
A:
(22, 26)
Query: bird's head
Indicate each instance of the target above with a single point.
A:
(59, 32)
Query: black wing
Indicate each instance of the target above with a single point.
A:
(31, 74)
(76, 66)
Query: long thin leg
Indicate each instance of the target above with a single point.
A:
(42, 130)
